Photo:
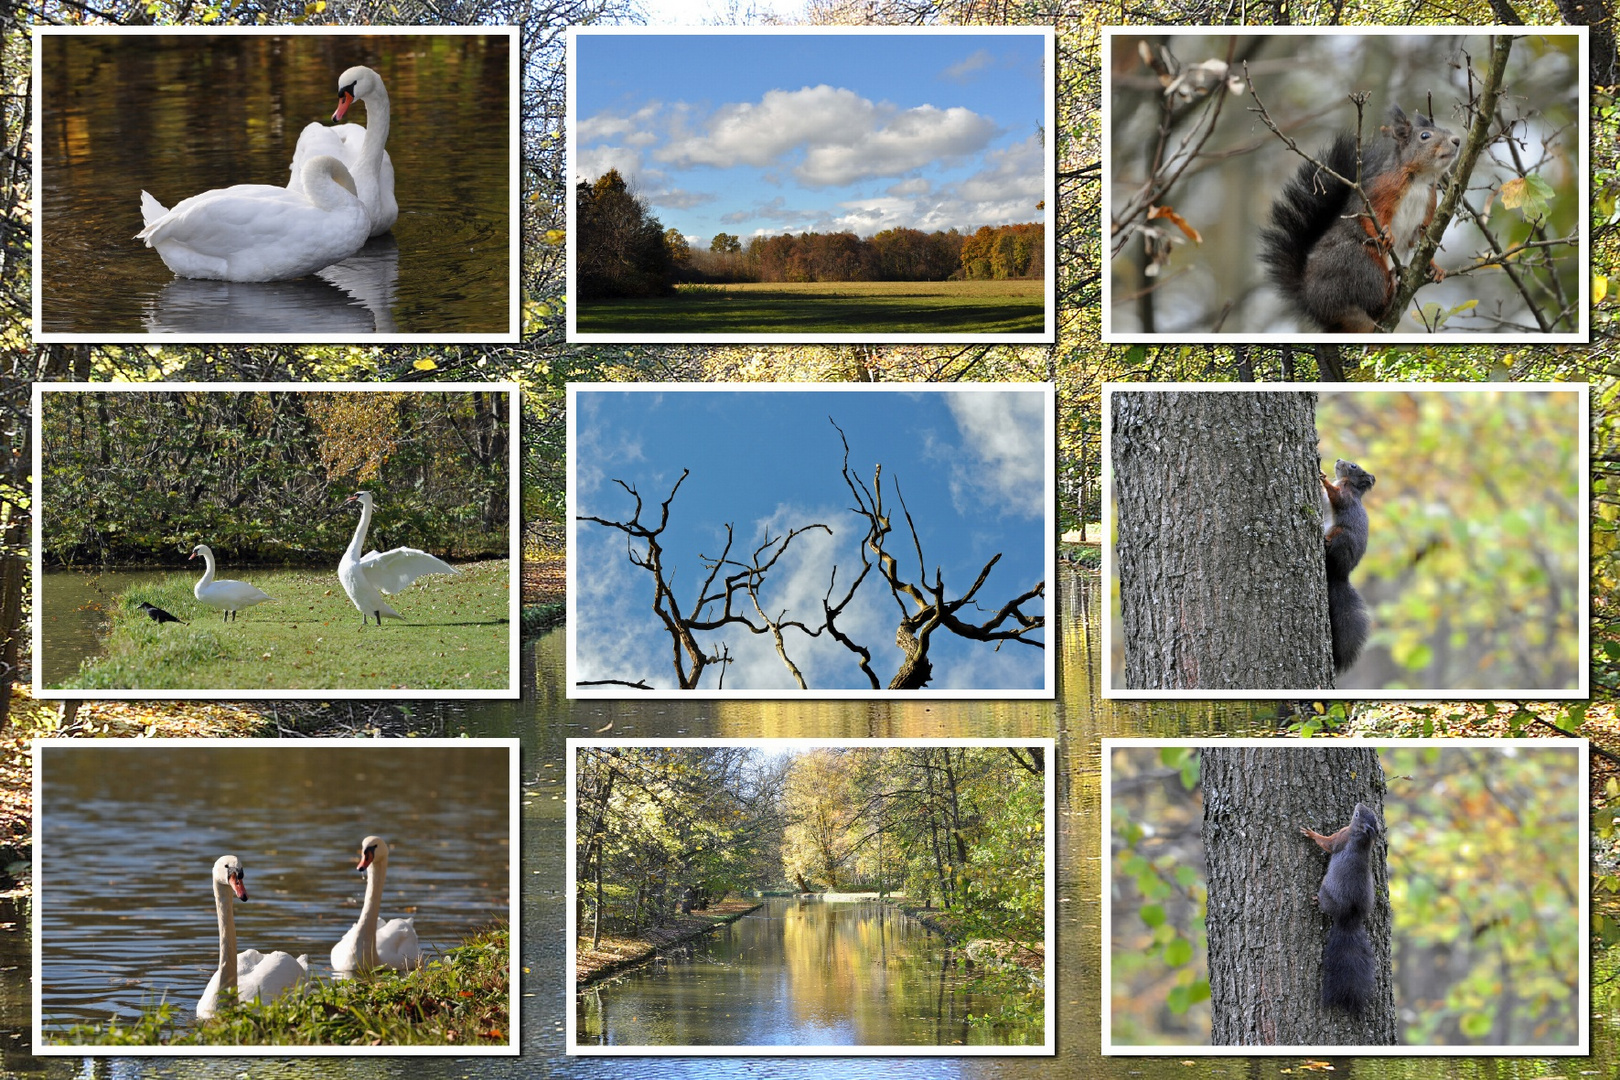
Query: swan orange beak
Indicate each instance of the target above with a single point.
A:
(239, 886)
(365, 860)
(345, 99)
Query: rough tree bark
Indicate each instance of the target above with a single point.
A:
(1266, 932)
(1219, 541)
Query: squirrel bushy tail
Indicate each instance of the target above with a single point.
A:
(1347, 615)
(1348, 968)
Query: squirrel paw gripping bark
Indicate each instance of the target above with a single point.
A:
(1349, 969)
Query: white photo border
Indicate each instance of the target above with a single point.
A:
(1205, 337)
(1046, 692)
(1583, 458)
(1578, 783)
(514, 281)
(512, 1048)
(1048, 333)
(514, 539)
(1048, 1046)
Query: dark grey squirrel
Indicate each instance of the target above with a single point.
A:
(1344, 534)
(1326, 254)
(1349, 971)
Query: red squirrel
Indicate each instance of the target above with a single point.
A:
(1326, 255)
(1344, 536)
(1349, 970)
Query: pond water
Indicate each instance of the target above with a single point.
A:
(795, 972)
(178, 115)
(545, 719)
(130, 834)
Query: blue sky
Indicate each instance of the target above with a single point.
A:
(972, 465)
(758, 134)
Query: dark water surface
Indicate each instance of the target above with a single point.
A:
(795, 972)
(544, 719)
(178, 115)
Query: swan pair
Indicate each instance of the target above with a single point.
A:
(340, 193)
(366, 578)
(266, 976)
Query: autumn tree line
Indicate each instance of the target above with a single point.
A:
(622, 250)
(664, 830)
(141, 477)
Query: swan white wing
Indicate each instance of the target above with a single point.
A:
(208, 1004)
(397, 946)
(151, 209)
(394, 570)
(266, 976)
(256, 232)
(346, 953)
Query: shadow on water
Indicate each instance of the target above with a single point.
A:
(1079, 718)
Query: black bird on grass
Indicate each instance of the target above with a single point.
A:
(158, 615)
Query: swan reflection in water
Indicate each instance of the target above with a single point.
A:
(355, 296)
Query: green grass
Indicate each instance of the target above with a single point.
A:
(310, 637)
(828, 307)
(461, 999)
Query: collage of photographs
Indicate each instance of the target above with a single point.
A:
(372, 367)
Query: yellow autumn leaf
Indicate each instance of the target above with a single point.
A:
(1600, 287)
(425, 365)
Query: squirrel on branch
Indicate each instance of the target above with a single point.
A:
(1331, 258)
(1344, 536)
(1349, 970)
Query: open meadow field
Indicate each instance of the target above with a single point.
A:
(828, 307)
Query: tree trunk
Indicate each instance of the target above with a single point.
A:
(1266, 932)
(1219, 549)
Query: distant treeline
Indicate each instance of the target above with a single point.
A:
(623, 251)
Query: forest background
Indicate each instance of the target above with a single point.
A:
(1077, 363)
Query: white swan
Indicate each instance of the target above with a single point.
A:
(368, 946)
(256, 232)
(360, 148)
(251, 973)
(367, 579)
(227, 596)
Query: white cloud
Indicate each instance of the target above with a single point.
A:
(915, 186)
(595, 162)
(844, 137)
(1010, 174)
(968, 69)
(1004, 433)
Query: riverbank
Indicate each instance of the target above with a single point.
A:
(617, 952)
(455, 637)
(1032, 958)
(463, 998)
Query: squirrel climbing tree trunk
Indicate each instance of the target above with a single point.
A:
(1219, 540)
(1266, 931)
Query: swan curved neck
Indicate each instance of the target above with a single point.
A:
(207, 579)
(375, 873)
(356, 546)
(227, 933)
(371, 152)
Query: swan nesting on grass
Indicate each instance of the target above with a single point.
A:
(368, 946)
(256, 232)
(361, 149)
(251, 973)
(368, 578)
(227, 596)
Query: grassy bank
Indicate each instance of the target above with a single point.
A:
(616, 952)
(828, 307)
(310, 637)
(464, 998)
